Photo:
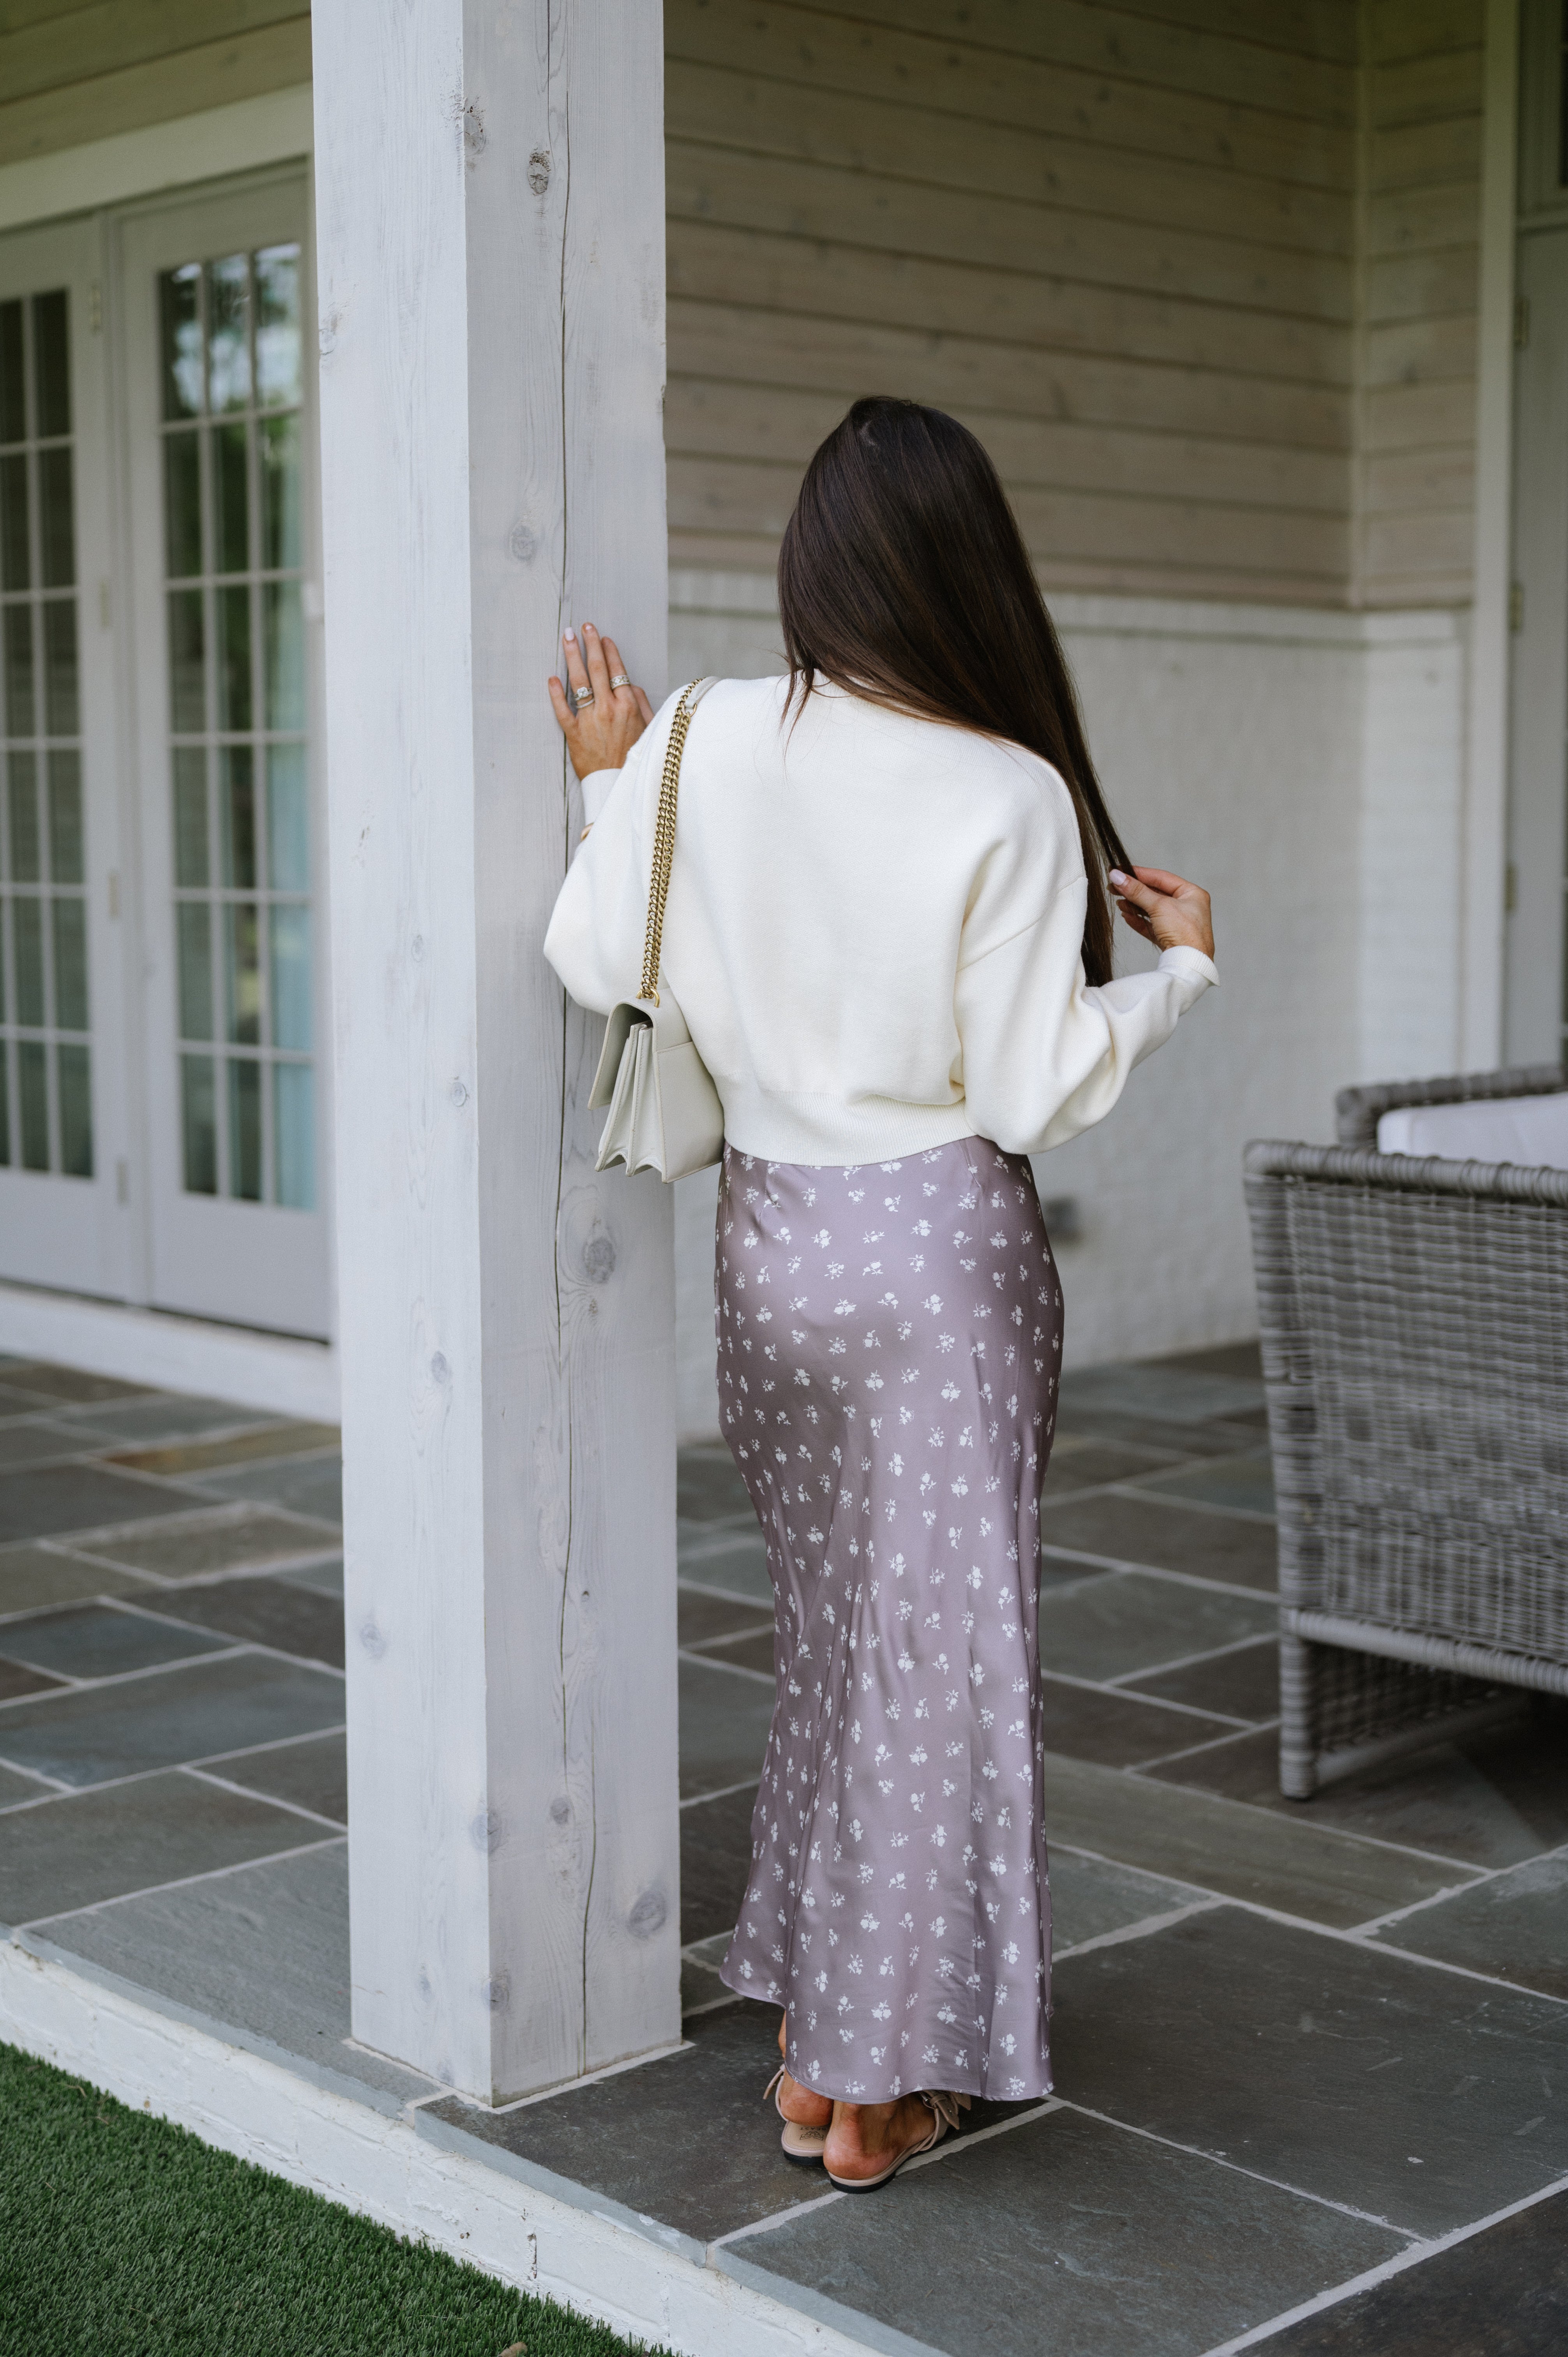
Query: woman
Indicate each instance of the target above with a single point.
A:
(889, 931)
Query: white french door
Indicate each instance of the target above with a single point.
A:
(219, 444)
(62, 1042)
(1536, 981)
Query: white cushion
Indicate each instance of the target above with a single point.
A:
(1532, 1130)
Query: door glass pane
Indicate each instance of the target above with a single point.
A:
(198, 1172)
(294, 1126)
(237, 682)
(57, 527)
(182, 505)
(16, 538)
(231, 512)
(245, 1129)
(45, 989)
(73, 1082)
(191, 860)
(32, 1074)
(13, 376)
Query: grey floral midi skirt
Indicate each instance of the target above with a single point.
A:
(889, 1347)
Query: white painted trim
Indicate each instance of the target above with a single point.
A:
(1486, 801)
(273, 1372)
(1093, 615)
(380, 2165)
(211, 144)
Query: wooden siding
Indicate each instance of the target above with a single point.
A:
(1119, 242)
(72, 73)
(1415, 490)
(1202, 274)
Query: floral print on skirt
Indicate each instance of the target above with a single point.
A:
(889, 1347)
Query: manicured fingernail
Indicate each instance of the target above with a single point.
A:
(1117, 876)
(569, 637)
(589, 632)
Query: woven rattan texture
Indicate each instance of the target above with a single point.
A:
(1415, 1328)
(1357, 1112)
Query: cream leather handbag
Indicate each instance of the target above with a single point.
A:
(664, 1110)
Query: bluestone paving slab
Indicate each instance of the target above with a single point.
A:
(325, 1577)
(39, 1442)
(1421, 2096)
(701, 1987)
(716, 1864)
(262, 1950)
(1241, 1684)
(218, 1539)
(618, 2137)
(312, 1773)
(16, 1788)
(1500, 2293)
(1061, 2238)
(1515, 1925)
(167, 1415)
(44, 1501)
(733, 1562)
(725, 1719)
(1243, 1361)
(16, 1402)
(32, 1575)
(1247, 1482)
(271, 1439)
(1078, 1464)
(88, 1734)
(1146, 1530)
(699, 1617)
(1092, 1896)
(1178, 1394)
(754, 1652)
(266, 1611)
(707, 1486)
(16, 1680)
(300, 1485)
(1124, 1621)
(1091, 1723)
(1499, 1797)
(85, 1848)
(101, 1640)
(1290, 1864)
(1230, 1438)
(73, 1386)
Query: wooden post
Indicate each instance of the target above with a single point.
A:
(490, 218)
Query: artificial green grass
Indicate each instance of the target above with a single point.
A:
(122, 2236)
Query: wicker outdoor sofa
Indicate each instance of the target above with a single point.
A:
(1414, 1324)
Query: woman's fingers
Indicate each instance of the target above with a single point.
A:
(576, 670)
(562, 710)
(617, 669)
(593, 656)
(1165, 908)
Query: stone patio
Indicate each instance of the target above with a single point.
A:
(1296, 2046)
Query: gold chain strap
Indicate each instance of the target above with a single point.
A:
(664, 845)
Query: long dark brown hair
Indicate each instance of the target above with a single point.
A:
(903, 578)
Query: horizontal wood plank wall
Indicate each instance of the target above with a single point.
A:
(1119, 241)
(74, 73)
(1416, 494)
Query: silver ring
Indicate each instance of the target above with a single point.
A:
(619, 680)
(582, 698)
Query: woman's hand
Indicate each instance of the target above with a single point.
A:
(601, 727)
(1165, 908)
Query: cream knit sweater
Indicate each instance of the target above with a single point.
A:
(874, 929)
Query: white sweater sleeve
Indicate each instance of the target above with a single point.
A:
(596, 933)
(1044, 1055)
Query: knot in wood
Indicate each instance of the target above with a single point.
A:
(647, 1915)
(598, 1256)
(486, 1831)
(522, 543)
(371, 1637)
(539, 171)
(440, 1373)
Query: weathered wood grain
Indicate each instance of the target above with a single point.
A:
(492, 263)
(58, 46)
(160, 90)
